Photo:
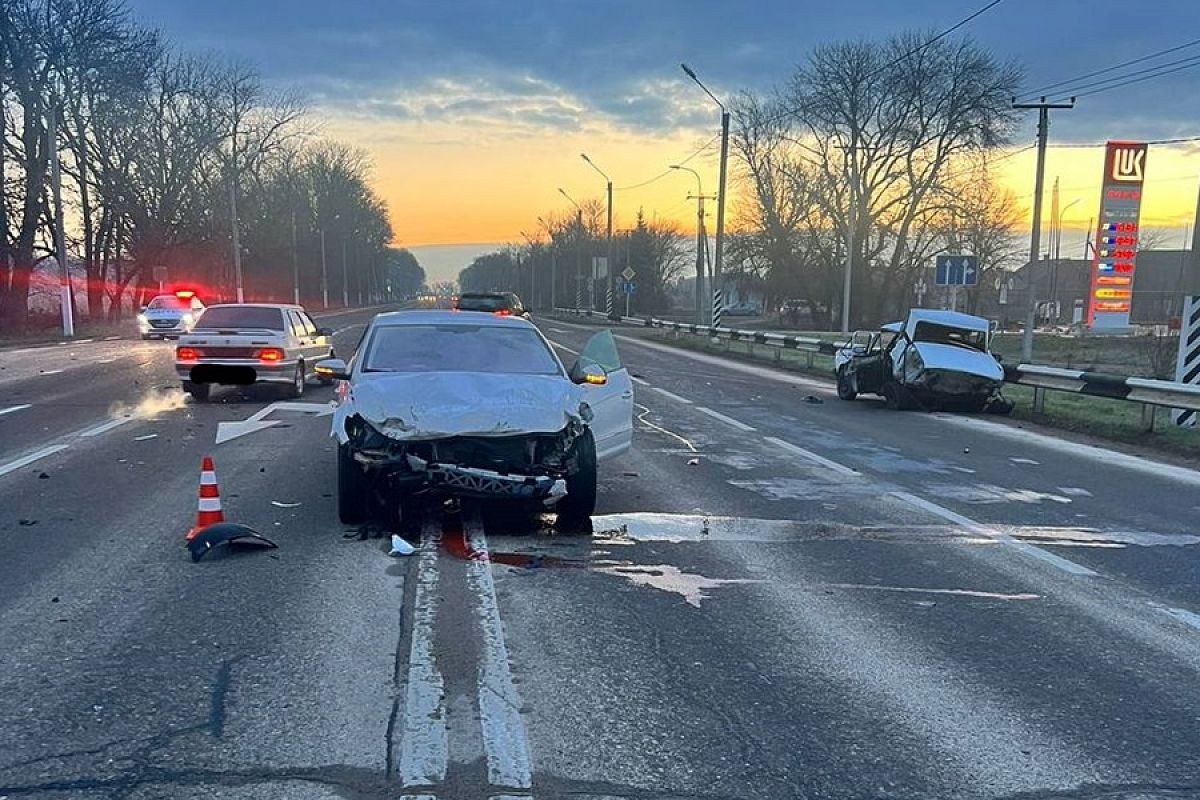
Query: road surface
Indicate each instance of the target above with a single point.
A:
(783, 596)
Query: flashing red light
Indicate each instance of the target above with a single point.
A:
(185, 294)
(504, 312)
(270, 355)
(187, 354)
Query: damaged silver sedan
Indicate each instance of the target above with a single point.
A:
(475, 405)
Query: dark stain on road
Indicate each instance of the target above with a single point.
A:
(216, 707)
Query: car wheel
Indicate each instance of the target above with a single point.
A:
(198, 391)
(296, 387)
(1000, 406)
(845, 389)
(352, 489)
(580, 501)
(895, 396)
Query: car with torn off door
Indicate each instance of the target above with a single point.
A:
(934, 360)
(239, 344)
(440, 403)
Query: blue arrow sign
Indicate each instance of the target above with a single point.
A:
(956, 271)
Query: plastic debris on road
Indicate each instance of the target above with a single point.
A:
(147, 437)
(401, 546)
(281, 504)
(692, 462)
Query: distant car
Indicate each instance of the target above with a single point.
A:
(241, 344)
(501, 304)
(935, 359)
(448, 404)
(168, 316)
(744, 309)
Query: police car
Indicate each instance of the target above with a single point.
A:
(169, 316)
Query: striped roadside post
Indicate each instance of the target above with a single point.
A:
(1187, 368)
(718, 307)
(608, 302)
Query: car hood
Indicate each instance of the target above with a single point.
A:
(959, 359)
(439, 405)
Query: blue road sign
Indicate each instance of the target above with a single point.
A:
(628, 287)
(956, 271)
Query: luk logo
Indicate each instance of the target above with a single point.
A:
(1128, 164)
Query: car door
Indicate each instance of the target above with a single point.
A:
(299, 342)
(611, 402)
(318, 346)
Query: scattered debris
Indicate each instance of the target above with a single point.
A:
(42, 476)
(280, 504)
(631, 474)
(692, 462)
(54, 599)
(966, 449)
(401, 546)
(812, 399)
(145, 437)
(225, 533)
(25, 523)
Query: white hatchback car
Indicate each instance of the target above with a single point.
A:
(241, 344)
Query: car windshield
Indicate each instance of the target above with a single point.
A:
(484, 302)
(947, 334)
(236, 317)
(459, 348)
(167, 302)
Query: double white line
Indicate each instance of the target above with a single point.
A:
(424, 746)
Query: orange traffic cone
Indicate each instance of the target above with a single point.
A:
(208, 511)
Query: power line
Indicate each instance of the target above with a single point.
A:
(1139, 80)
(1181, 140)
(668, 171)
(1131, 62)
(1158, 69)
(990, 163)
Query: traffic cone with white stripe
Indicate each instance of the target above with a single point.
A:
(208, 511)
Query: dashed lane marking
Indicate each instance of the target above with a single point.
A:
(104, 427)
(717, 415)
(672, 396)
(563, 347)
(11, 409)
(809, 455)
(980, 529)
(25, 461)
(639, 381)
(50, 372)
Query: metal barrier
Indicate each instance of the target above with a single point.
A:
(1151, 393)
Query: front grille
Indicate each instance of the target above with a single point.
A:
(163, 323)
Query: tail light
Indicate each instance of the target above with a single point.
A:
(187, 354)
(270, 355)
(504, 312)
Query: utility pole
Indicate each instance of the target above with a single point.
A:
(719, 256)
(1035, 244)
(324, 274)
(608, 303)
(60, 247)
(701, 248)
(295, 264)
(345, 276)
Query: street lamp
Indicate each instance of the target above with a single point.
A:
(608, 308)
(578, 249)
(553, 263)
(719, 256)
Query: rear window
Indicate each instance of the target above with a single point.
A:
(167, 301)
(483, 302)
(944, 334)
(235, 317)
(459, 348)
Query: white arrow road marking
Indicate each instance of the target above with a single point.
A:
(423, 740)
(505, 740)
(227, 431)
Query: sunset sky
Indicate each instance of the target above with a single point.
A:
(475, 112)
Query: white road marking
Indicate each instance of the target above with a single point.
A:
(1026, 461)
(672, 396)
(25, 461)
(50, 372)
(558, 330)
(423, 741)
(105, 426)
(1111, 458)
(1189, 618)
(105, 360)
(563, 347)
(83, 341)
(349, 327)
(980, 529)
(741, 426)
(736, 366)
(111, 338)
(505, 741)
(841, 469)
(639, 381)
(11, 409)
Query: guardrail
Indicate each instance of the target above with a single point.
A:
(1147, 391)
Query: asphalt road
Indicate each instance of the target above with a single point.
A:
(783, 595)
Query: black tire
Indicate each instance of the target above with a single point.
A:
(891, 395)
(845, 389)
(1000, 406)
(198, 391)
(580, 502)
(352, 488)
(296, 388)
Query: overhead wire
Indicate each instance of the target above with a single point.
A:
(1123, 83)
(1113, 68)
(668, 171)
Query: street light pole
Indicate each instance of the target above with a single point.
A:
(578, 248)
(719, 255)
(324, 274)
(345, 277)
(701, 274)
(553, 263)
(60, 247)
(608, 303)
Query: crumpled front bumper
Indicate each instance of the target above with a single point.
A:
(462, 481)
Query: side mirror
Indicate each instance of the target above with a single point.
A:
(332, 368)
(324, 331)
(589, 375)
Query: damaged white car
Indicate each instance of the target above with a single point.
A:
(934, 360)
(475, 405)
